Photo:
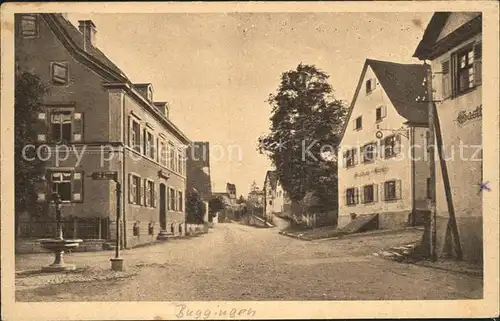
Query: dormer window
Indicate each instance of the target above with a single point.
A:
(150, 94)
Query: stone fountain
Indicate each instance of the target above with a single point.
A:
(59, 245)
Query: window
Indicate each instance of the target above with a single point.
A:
(180, 200)
(380, 113)
(172, 196)
(135, 229)
(368, 194)
(163, 155)
(392, 190)
(429, 194)
(358, 122)
(179, 160)
(61, 184)
(171, 156)
(135, 189)
(59, 73)
(60, 123)
(369, 152)
(370, 85)
(350, 157)
(351, 196)
(149, 193)
(271, 202)
(29, 25)
(465, 69)
(135, 135)
(391, 145)
(149, 144)
(68, 184)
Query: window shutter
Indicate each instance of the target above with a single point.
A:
(155, 196)
(130, 131)
(140, 192)
(344, 159)
(382, 192)
(454, 74)
(77, 187)
(355, 156)
(145, 193)
(157, 152)
(398, 189)
(130, 191)
(384, 111)
(445, 79)
(478, 55)
(346, 202)
(77, 127)
(41, 187)
(375, 193)
(144, 141)
(362, 195)
(397, 145)
(356, 195)
(42, 128)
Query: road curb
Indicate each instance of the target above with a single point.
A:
(353, 235)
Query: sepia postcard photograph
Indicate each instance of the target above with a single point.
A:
(238, 160)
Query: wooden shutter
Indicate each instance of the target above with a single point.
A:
(362, 195)
(382, 148)
(145, 192)
(375, 193)
(398, 189)
(356, 195)
(382, 191)
(478, 55)
(445, 79)
(42, 127)
(78, 127)
(454, 75)
(77, 187)
(130, 131)
(355, 156)
(383, 110)
(139, 192)
(130, 191)
(41, 186)
(346, 202)
(155, 196)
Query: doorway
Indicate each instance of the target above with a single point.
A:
(163, 208)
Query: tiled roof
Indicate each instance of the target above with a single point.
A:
(403, 84)
(273, 178)
(431, 33)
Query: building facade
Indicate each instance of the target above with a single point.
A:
(95, 119)
(380, 172)
(452, 42)
(275, 199)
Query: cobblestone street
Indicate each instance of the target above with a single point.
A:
(237, 262)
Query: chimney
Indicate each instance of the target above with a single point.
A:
(87, 28)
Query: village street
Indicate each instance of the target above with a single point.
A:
(238, 262)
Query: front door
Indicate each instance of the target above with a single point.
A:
(163, 208)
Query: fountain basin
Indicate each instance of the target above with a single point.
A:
(58, 247)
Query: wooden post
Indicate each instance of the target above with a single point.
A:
(452, 223)
(431, 149)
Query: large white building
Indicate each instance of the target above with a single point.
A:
(381, 179)
(275, 198)
(452, 43)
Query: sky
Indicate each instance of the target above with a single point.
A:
(217, 70)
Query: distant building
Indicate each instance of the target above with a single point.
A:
(93, 106)
(231, 191)
(275, 198)
(453, 43)
(381, 175)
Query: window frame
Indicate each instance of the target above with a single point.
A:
(356, 127)
(60, 138)
(56, 80)
(35, 20)
(374, 152)
(394, 147)
(135, 186)
(350, 157)
(372, 200)
(386, 193)
(347, 198)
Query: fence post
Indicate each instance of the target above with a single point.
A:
(100, 227)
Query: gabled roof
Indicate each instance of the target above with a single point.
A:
(432, 46)
(76, 37)
(431, 33)
(402, 84)
(272, 177)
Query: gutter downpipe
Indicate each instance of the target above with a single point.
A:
(412, 160)
(124, 176)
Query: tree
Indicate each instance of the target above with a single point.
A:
(306, 122)
(195, 208)
(28, 167)
(215, 205)
(241, 200)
